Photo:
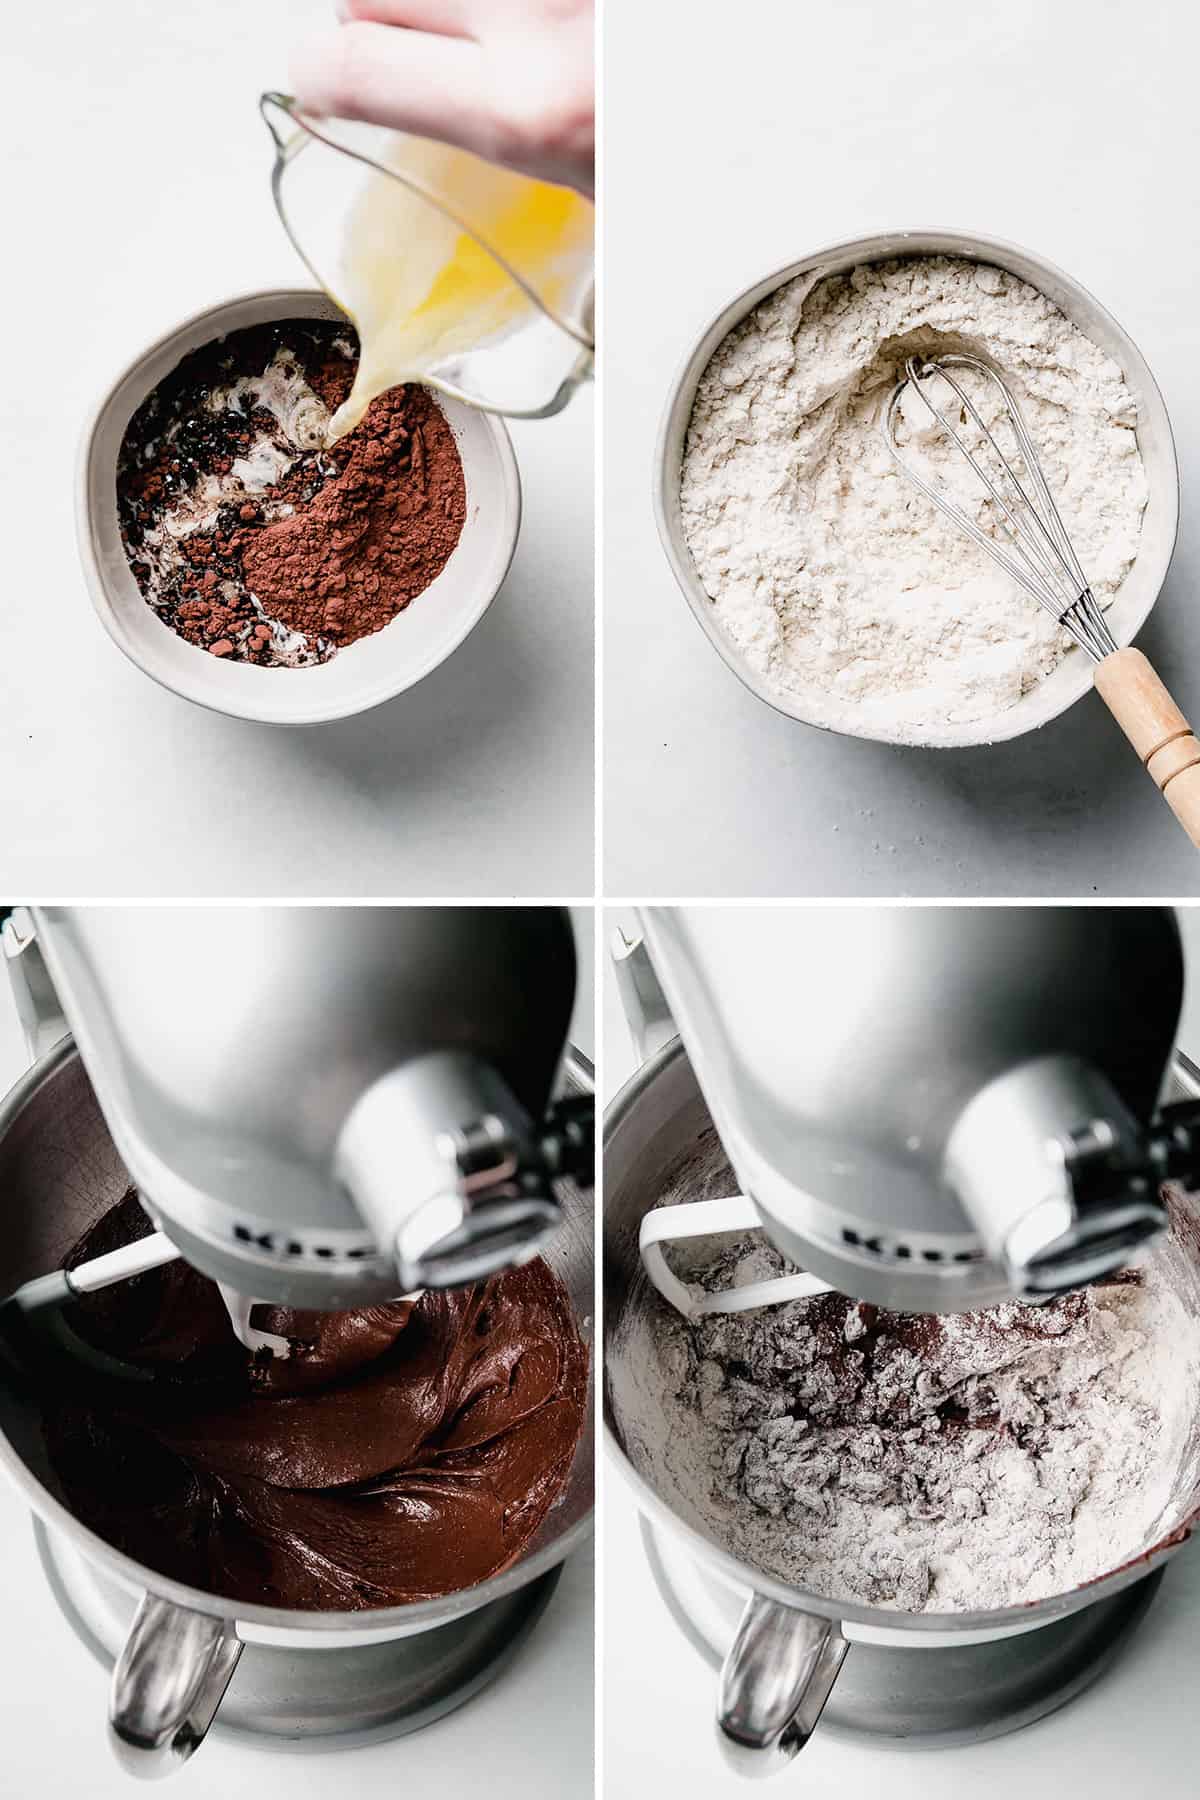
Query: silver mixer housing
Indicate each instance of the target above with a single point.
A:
(933, 1108)
(325, 1107)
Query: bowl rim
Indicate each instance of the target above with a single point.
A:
(197, 690)
(368, 1622)
(877, 246)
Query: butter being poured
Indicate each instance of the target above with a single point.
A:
(422, 292)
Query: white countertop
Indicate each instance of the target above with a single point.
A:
(531, 1731)
(1133, 1732)
(740, 141)
(125, 123)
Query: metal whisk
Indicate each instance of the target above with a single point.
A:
(1033, 547)
(1041, 560)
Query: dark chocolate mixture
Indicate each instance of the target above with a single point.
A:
(252, 539)
(400, 1453)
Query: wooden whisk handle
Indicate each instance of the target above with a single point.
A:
(1158, 731)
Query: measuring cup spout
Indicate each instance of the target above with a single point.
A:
(278, 117)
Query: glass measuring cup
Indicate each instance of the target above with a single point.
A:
(470, 278)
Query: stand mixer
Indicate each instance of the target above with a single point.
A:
(931, 1110)
(321, 1108)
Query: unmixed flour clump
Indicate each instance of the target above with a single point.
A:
(940, 1463)
(835, 577)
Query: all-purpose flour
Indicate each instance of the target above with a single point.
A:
(836, 578)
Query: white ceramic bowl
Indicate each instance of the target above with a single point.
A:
(363, 674)
(1138, 592)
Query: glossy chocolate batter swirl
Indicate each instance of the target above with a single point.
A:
(400, 1453)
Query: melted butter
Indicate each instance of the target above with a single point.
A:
(423, 292)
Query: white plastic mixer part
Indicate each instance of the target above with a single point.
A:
(123, 1264)
(130, 1260)
(239, 1308)
(101, 1272)
(703, 1218)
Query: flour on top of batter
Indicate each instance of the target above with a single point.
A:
(837, 579)
(941, 1463)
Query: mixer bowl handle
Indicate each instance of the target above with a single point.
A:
(167, 1685)
(777, 1677)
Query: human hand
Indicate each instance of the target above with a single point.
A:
(510, 80)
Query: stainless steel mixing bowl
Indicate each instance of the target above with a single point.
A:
(58, 1172)
(789, 1647)
(1131, 607)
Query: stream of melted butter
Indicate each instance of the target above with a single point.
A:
(422, 291)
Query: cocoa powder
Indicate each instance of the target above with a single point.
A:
(250, 538)
(375, 535)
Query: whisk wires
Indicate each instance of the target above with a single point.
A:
(1038, 554)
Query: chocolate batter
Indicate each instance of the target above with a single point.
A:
(400, 1453)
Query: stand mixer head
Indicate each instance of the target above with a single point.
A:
(936, 1109)
(324, 1107)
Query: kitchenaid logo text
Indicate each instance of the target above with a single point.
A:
(275, 1245)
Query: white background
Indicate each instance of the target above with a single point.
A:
(136, 190)
(741, 138)
(1134, 1732)
(530, 1733)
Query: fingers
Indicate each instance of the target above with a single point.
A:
(445, 18)
(525, 101)
(407, 80)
